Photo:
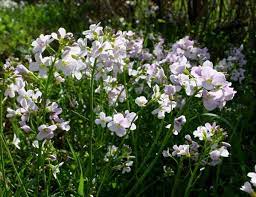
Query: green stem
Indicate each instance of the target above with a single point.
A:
(13, 165)
(91, 121)
(217, 180)
(126, 90)
(152, 146)
(103, 179)
(39, 160)
(165, 141)
(45, 93)
(177, 177)
(191, 179)
(1, 132)
(193, 175)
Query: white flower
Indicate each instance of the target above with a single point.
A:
(62, 33)
(40, 43)
(178, 122)
(156, 92)
(168, 126)
(166, 153)
(252, 175)
(127, 167)
(179, 66)
(24, 126)
(11, 113)
(59, 79)
(41, 64)
(166, 106)
(63, 125)
(56, 169)
(247, 187)
(131, 117)
(16, 141)
(21, 69)
(10, 91)
(35, 144)
(215, 155)
(205, 132)
(94, 30)
(71, 64)
(46, 132)
(103, 119)
(112, 150)
(141, 101)
(181, 150)
(121, 123)
(171, 89)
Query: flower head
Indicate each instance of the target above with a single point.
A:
(141, 101)
(46, 132)
(103, 119)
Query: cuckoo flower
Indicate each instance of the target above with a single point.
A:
(103, 119)
(46, 132)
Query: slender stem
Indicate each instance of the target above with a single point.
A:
(126, 90)
(217, 180)
(103, 179)
(91, 120)
(1, 132)
(176, 180)
(49, 181)
(152, 146)
(13, 165)
(39, 160)
(165, 141)
(151, 164)
(191, 179)
(149, 152)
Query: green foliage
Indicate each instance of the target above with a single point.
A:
(19, 26)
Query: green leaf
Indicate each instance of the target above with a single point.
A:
(81, 186)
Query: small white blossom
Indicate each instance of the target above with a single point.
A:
(121, 123)
(247, 187)
(252, 175)
(178, 122)
(103, 119)
(127, 167)
(46, 132)
(205, 132)
(16, 141)
(181, 150)
(141, 101)
(56, 169)
(166, 153)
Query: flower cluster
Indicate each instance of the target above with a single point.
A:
(121, 157)
(157, 82)
(26, 101)
(28, 105)
(189, 71)
(234, 64)
(104, 55)
(119, 124)
(247, 187)
(213, 147)
(46, 131)
(7, 4)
